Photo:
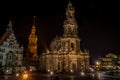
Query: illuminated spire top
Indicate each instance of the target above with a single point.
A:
(70, 24)
(9, 26)
(10, 23)
(69, 4)
(33, 27)
(70, 10)
(34, 20)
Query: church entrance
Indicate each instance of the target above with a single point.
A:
(74, 67)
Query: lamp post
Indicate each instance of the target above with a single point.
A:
(97, 65)
(25, 75)
(51, 75)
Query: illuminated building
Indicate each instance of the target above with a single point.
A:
(109, 62)
(32, 55)
(11, 53)
(65, 54)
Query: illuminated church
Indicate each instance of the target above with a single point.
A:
(65, 54)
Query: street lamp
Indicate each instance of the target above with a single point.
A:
(48, 70)
(51, 74)
(17, 74)
(82, 73)
(97, 65)
(25, 75)
(71, 71)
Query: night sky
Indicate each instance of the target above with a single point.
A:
(98, 23)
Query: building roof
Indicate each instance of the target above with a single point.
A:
(4, 36)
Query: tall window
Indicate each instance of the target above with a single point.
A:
(72, 46)
(1, 56)
(9, 58)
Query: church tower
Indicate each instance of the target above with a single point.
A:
(32, 45)
(71, 41)
(70, 24)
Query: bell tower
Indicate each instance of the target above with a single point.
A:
(70, 24)
(70, 41)
(32, 45)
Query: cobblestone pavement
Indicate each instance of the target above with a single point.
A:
(41, 76)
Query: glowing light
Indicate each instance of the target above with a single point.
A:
(30, 69)
(71, 70)
(25, 71)
(17, 74)
(25, 76)
(7, 70)
(91, 69)
(51, 73)
(59, 56)
(82, 73)
(48, 70)
(97, 63)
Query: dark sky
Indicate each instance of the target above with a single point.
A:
(98, 22)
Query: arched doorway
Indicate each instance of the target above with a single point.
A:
(74, 67)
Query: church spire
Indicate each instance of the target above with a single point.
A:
(70, 10)
(69, 5)
(34, 20)
(33, 31)
(9, 26)
(32, 44)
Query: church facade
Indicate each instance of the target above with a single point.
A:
(11, 53)
(65, 54)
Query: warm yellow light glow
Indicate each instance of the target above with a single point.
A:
(59, 56)
(25, 71)
(25, 76)
(98, 63)
(30, 69)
